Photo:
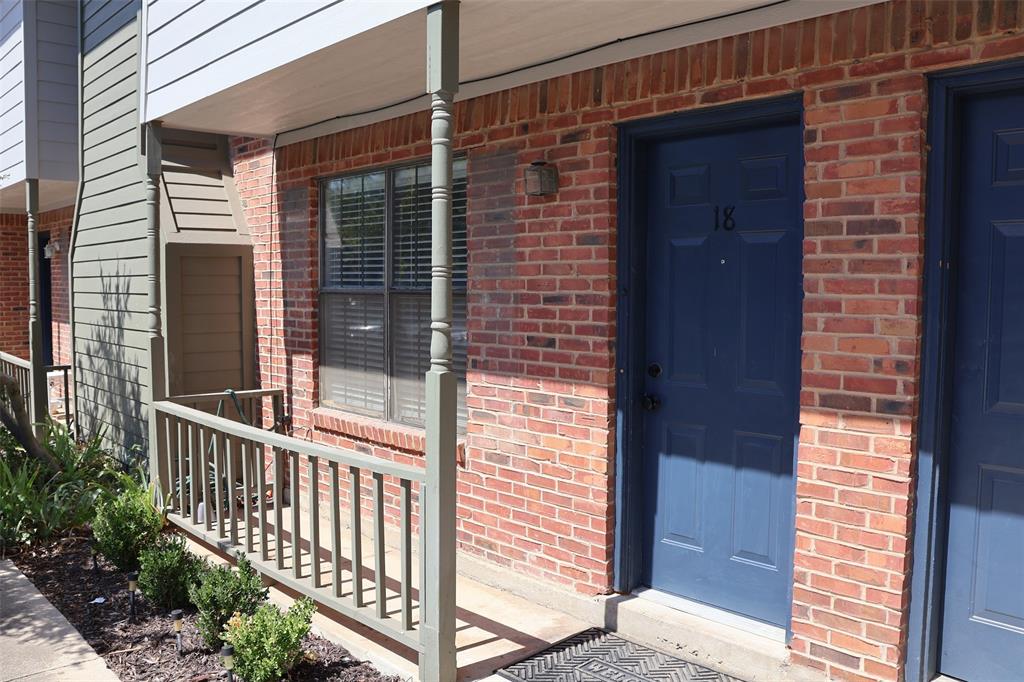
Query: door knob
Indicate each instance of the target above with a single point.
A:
(650, 402)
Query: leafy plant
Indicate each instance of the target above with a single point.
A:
(37, 502)
(221, 593)
(268, 643)
(126, 524)
(168, 571)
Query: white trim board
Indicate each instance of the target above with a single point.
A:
(775, 14)
(715, 615)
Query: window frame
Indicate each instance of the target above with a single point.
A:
(388, 291)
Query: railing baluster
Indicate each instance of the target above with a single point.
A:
(355, 528)
(204, 475)
(260, 455)
(296, 517)
(406, 569)
(423, 551)
(217, 443)
(246, 448)
(279, 508)
(335, 530)
(313, 473)
(179, 449)
(378, 544)
(193, 482)
(170, 499)
(230, 452)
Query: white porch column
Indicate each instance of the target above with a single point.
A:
(39, 405)
(437, 594)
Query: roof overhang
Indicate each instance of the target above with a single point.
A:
(379, 73)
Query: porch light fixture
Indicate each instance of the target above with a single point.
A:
(178, 623)
(133, 585)
(227, 655)
(51, 249)
(541, 179)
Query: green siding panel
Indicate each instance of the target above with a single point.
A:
(109, 263)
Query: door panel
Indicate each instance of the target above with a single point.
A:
(722, 324)
(983, 610)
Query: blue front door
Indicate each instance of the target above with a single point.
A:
(721, 367)
(983, 612)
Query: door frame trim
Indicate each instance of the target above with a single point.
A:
(946, 91)
(633, 138)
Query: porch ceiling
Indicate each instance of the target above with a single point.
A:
(52, 194)
(380, 73)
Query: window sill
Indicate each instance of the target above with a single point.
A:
(377, 431)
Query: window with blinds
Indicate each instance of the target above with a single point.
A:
(375, 291)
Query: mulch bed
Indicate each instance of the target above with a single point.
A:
(144, 650)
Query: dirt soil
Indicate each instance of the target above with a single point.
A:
(144, 650)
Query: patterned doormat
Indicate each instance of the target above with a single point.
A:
(598, 656)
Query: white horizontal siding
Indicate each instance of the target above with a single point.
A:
(197, 48)
(12, 92)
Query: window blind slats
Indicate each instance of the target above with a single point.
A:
(354, 231)
(352, 370)
(358, 348)
(410, 355)
(410, 206)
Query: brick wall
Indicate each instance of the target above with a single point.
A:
(14, 284)
(58, 224)
(536, 484)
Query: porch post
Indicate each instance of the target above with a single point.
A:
(152, 161)
(437, 594)
(39, 406)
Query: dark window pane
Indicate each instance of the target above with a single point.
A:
(352, 366)
(410, 355)
(411, 228)
(354, 231)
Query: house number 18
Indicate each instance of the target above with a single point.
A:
(727, 221)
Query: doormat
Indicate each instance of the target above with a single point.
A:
(598, 656)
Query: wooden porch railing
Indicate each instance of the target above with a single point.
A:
(281, 533)
(21, 370)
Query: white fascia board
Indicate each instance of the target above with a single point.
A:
(335, 24)
(774, 14)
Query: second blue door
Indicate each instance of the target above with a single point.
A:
(721, 368)
(983, 607)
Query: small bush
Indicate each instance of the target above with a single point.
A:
(221, 593)
(268, 643)
(126, 524)
(168, 571)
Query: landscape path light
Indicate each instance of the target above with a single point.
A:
(178, 623)
(227, 655)
(133, 584)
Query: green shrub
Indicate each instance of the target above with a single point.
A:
(36, 503)
(268, 643)
(168, 571)
(221, 593)
(126, 524)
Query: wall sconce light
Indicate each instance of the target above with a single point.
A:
(50, 249)
(541, 179)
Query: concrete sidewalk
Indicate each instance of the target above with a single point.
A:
(37, 643)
